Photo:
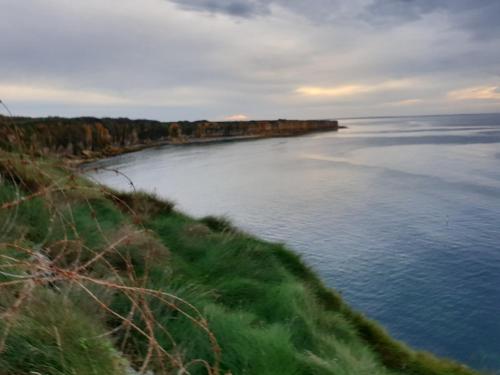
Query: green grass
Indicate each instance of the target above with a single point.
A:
(268, 311)
(274, 289)
(55, 337)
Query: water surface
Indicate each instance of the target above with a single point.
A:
(402, 215)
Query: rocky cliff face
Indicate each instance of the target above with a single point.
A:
(87, 136)
(262, 128)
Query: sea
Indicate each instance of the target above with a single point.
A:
(401, 215)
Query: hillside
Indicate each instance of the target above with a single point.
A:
(94, 281)
(89, 137)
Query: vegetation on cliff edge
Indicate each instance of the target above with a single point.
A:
(88, 137)
(94, 281)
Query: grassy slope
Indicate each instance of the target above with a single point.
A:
(268, 311)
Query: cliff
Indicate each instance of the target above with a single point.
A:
(93, 281)
(90, 137)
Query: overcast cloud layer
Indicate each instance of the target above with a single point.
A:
(216, 59)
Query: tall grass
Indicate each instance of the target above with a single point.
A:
(94, 281)
(60, 234)
(260, 287)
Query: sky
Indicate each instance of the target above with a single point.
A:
(249, 59)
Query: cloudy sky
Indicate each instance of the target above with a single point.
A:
(217, 59)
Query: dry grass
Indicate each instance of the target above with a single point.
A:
(65, 259)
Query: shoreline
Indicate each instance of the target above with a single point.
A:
(248, 273)
(86, 139)
(81, 162)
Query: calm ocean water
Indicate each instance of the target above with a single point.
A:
(402, 215)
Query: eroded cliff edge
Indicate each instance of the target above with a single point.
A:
(89, 137)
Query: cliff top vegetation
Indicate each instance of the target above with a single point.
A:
(94, 281)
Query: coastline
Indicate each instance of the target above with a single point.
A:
(87, 139)
(246, 292)
(81, 162)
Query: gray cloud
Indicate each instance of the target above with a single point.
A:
(480, 17)
(319, 10)
(239, 8)
(174, 59)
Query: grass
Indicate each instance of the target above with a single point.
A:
(273, 289)
(126, 279)
(54, 337)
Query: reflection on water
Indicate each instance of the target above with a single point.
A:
(400, 214)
